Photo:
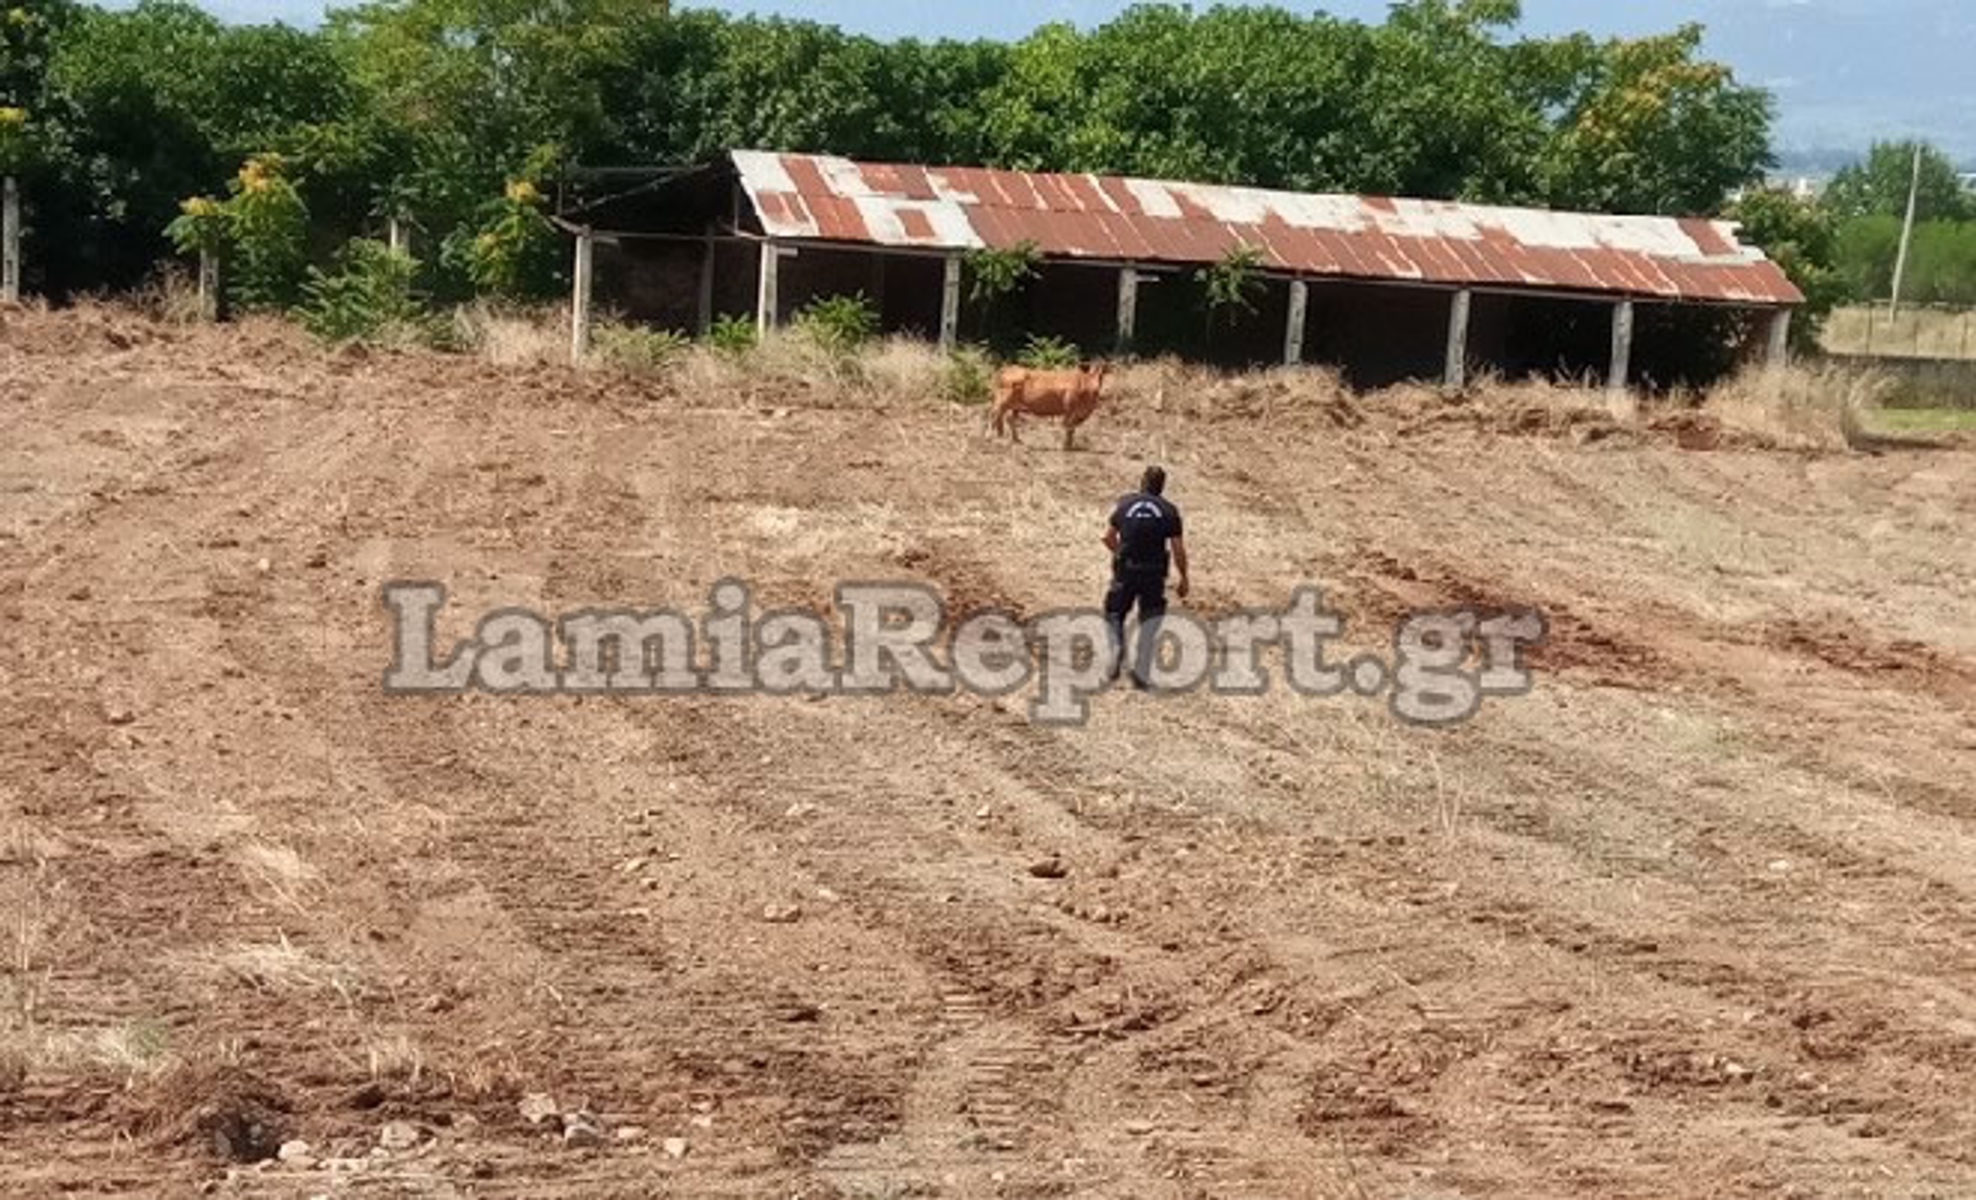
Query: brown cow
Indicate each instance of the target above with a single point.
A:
(1023, 391)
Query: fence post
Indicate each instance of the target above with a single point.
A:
(209, 286)
(579, 317)
(10, 240)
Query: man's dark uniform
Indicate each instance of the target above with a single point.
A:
(1144, 523)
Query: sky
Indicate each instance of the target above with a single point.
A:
(1845, 72)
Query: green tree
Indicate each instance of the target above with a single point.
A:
(1864, 254)
(152, 104)
(1801, 237)
(1645, 126)
(1878, 186)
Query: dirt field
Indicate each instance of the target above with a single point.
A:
(1695, 918)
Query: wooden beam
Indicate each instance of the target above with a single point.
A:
(1454, 374)
(1128, 310)
(10, 240)
(704, 314)
(579, 319)
(1293, 326)
(950, 303)
(767, 294)
(1780, 338)
(1618, 377)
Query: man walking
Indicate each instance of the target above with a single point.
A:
(1141, 527)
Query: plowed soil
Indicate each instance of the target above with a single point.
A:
(1697, 917)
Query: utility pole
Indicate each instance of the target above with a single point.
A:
(1907, 232)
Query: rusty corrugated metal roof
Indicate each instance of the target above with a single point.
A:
(1358, 237)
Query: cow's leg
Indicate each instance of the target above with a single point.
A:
(1071, 422)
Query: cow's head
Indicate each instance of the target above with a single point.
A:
(1095, 374)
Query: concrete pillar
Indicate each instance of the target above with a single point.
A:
(209, 285)
(1128, 309)
(767, 296)
(1454, 374)
(1780, 338)
(1293, 329)
(579, 320)
(704, 314)
(950, 304)
(1619, 376)
(10, 240)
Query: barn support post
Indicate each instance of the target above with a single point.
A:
(767, 294)
(950, 303)
(1454, 374)
(10, 240)
(1128, 310)
(1293, 329)
(209, 286)
(878, 286)
(1780, 338)
(1618, 377)
(704, 312)
(579, 319)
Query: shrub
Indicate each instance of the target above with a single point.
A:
(14, 141)
(1232, 283)
(637, 349)
(200, 226)
(512, 251)
(268, 228)
(1049, 354)
(968, 376)
(368, 296)
(732, 336)
(839, 324)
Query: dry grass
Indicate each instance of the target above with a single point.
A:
(889, 371)
(277, 966)
(279, 871)
(170, 295)
(514, 336)
(1799, 408)
(45, 928)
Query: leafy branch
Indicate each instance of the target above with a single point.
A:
(996, 273)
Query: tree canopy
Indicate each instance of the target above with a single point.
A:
(433, 110)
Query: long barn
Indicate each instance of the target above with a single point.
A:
(1385, 289)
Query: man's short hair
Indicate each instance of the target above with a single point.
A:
(1153, 482)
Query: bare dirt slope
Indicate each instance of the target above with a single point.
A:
(1698, 917)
